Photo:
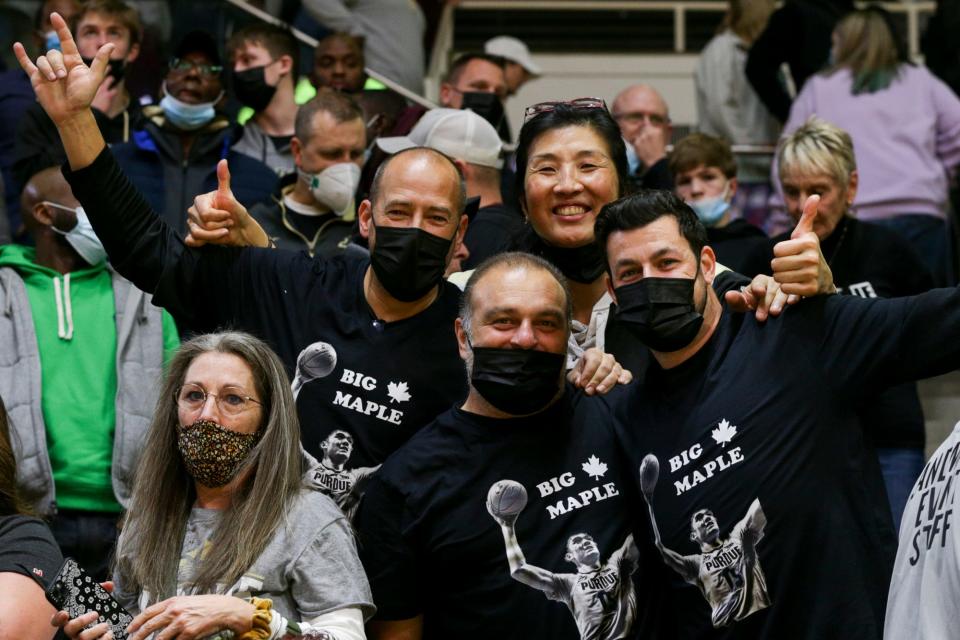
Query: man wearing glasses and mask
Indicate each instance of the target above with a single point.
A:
(174, 156)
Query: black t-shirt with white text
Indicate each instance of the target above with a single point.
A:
(430, 545)
(377, 381)
(770, 503)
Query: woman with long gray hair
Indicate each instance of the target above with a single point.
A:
(222, 537)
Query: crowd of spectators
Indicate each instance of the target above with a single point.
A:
(596, 380)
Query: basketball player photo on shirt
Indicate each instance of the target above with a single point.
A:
(600, 595)
(727, 570)
(333, 477)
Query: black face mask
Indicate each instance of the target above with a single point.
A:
(408, 261)
(517, 381)
(581, 264)
(485, 105)
(115, 68)
(660, 312)
(251, 88)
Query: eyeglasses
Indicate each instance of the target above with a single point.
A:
(181, 66)
(585, 104)
(637, 117)
(231, 401)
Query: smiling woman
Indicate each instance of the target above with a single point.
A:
(571, 161)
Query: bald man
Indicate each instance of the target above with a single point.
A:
(85, 352)
(644, 120)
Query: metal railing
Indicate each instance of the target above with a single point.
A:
(913, 10)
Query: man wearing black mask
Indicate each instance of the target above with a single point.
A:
(118, 113)
(508, 515)
(476, 81)
(265, 62)
(748, 433)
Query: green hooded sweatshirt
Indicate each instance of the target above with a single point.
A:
(73, 316)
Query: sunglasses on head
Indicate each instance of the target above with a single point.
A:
(585, 104)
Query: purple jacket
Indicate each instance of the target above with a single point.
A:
(906, 138)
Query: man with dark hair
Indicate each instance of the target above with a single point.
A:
(705, 176)
(265, 62)
(734, 425)
(118, 113)
(174, 155)
(476, 81)
(314, 210)
(524, 457)
(338, 63)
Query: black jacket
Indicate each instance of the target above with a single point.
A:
(38, 145)
(154, 162)
(324, 236)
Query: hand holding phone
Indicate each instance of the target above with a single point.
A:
(73, 590)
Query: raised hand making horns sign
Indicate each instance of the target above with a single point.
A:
(64, 85)
(65, 88)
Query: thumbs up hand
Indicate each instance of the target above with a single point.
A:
(798, 264)
(218, 218)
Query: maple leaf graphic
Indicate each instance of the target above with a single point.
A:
(398, 391)
(594, 468)
(724, 433)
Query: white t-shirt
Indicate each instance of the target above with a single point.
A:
(924, 600)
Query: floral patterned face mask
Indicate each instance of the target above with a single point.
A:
(212, 453)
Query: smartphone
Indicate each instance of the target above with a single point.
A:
(74, 591)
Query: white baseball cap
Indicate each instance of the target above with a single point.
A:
(459, 133)
(513, 50)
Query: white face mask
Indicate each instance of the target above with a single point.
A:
(334, 186)
(82, 237)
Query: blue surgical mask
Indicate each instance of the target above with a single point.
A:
(633, 161)
(51, 40)
(711, 210)
(187, 116)
(82, 237)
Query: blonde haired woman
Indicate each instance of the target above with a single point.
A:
(869, 261)
(221, 523)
